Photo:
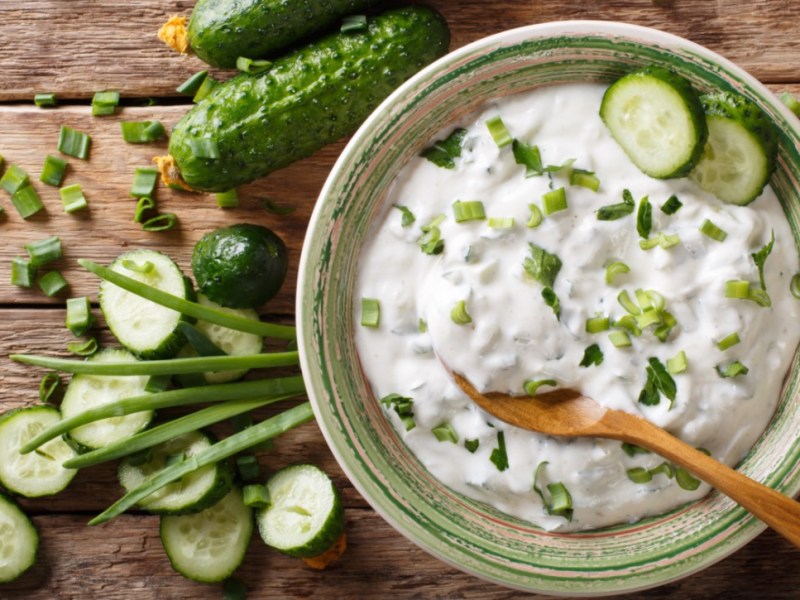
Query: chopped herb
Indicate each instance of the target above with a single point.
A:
(620, 338)
(423, 326)
(23, 272)
(370, 312)
(45, 100)
(629, 324)
(597, 324)
(445, 433)
(499, 132)
(565, 166)
(499, 457)
(191, 85)
(459, 313)
(431, 241)
(633, 449)
(444, 152)
(738, 289)
(616, 268)
(527, 156)
(163, 222)
(142, 132)
(73, 143)
(728, 341)
(248, 65)
(794, 285)
(542, 266)
(104, 103)
(593, 355)
(472, 445)
(658, 381)
(554, 201)
(629, 305)
(468, 210)
(50, 388)
(537, 217)
(665, 468)
(53, 170)
(143, 206)
(551, 300)
(14, 179)
(612, 212)
(72, 198)
(639, 475)
(44, 251)
(583, 178)
(52, 283)
(531, 386)
(256, 495)
(685, 479)
(791, 103)
(272, 207)
(644, 218)
(404, 407)
(671, 206)
(144, 182)
(27, 202)
(760, 258)
(229, 199)
(760, 297)
(407, 218)
(501, 222)
(560, 502)
(353, 23)
(248, 467)
(715, 233)
(732, 369)
(664, 240)
(206, 86)
(677, 364)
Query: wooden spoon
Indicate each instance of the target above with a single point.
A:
(566, 412)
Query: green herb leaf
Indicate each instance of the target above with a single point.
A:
(542, 265)
(444, 152)
(593, 355)
(644, 218)
(403, 406)
(612, 212)
(560, 502)
(527, 156)
(671, 206)
(445, 433)
(760, 258)
(408, 217)
(472, 445)
(499, 457)
(551, 300)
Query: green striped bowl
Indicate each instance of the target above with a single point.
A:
(456, 529)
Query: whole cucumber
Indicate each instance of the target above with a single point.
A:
(307, 99)
(222, 30)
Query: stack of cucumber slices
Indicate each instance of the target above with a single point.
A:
(722, 140)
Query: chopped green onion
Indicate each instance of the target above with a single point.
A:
(616, 268)
(633, 449)
(649, 316)
(536, 216)
(52, 283)
(665, 240)
(50, 388)
(732, 369)
(404, 407)
(639, 475)
(27, 202)
(83, 348)
(431, 242)
(472, 445)
(423, 326)
(469, 210)
(671, 206)
(791, 103)
(560, 502)
(658, 381)
(14, 179)
(191, 85)
(44, 251)
(531, 386)
(527, 156)
(728, 341)
(760, 258)
(760, 297)
(612, 212)
(643, 298)
(551, 300)
(629, 305)
(629, 324)
(206, 86)
(685, 479)
(53, 170)
(445, 433)
(105, 103)
(73, 142)
(665, 468)
(72, 198)
(163, 222)
(23, 272)
(407, 219)
(593, 355)
(143, 205)
(501, 222)
(554, 201)
(498, 131)
(597, 324)
(79, 315)
(499, 456)
(45, 99)
(248, 65)
(737, 288)
(144, 182)
(644, 218)
(205, 147)
(142, 132)
(677, 364)
(248, 467)
(256, 495)
(444, 152)
(794, 285)
(583, 178)
(370, 312)
(711, 230)
(459, 313)
(620, 338)
(565, 166)
(353, 23)
(157, 383)
(542, 265)
(229, 199)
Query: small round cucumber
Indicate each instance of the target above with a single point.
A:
(19, 541)
(88, 391)
(306, 514)
(210, 545)
(146, 329)
(194, 492)
(657, 119)
(741, 151)
(38, 473)
(240, 266)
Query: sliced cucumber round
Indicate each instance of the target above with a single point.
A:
(210, 545)
(38, 473)
(89, 391)
(19, 541)
(193, 492)
(657, 119)
(146, 329)
(306, 514)
(740, 154)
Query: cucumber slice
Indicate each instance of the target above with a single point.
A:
(657, 118)
(19, 541)
(146, 329)
(210, 545)
(88, 391)
(38, 473)
(306, 516)
(192, 493)
(741, 151)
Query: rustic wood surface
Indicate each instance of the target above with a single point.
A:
(76, 47)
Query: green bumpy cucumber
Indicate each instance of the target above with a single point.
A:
(220, 31)
(307, 99)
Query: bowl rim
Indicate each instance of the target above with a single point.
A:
(306, 344)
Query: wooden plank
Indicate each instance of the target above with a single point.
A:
(88, 45)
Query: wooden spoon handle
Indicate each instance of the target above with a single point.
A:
(776, 510)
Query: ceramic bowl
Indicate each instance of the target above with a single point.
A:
(460, 531)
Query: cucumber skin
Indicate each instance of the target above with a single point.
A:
(220, 31)
(309, 98)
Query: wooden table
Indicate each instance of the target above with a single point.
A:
(76, 47)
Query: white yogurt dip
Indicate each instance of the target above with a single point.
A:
(514, 336)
